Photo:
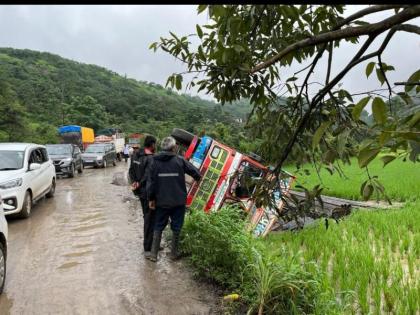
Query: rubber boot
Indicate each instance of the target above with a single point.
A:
(175, 255)
(155, 246)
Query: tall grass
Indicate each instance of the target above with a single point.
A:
(221, 250)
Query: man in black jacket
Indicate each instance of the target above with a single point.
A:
(167, 193)
(138, 168)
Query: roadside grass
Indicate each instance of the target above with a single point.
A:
(400, 179)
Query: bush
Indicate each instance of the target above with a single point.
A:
(220, 249)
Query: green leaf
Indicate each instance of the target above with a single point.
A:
(319, 133)
(199, 31)
(379, 110)
(380, 75)
(366, 155)
(201, 8)
(369, 68)
(238, 48)
(367, 191)
(358, 108)
(388, 158)
(415, 77)
(291, 79)
(178, 81)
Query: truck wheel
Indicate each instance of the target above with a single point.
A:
(182, 136)
(27, 206)
(72, 171)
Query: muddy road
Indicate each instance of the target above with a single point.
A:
(81, 253)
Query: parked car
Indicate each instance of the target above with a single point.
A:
(100, 155)
(26, 175)
(66, 158)
(3, 246)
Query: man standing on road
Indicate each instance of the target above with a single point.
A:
(167, 194)
(138, 176)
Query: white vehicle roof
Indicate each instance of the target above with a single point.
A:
(18, 146)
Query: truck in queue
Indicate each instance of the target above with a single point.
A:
(229, 176)
(80, 136)
(114, 136)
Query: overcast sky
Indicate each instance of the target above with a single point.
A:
(118, 37)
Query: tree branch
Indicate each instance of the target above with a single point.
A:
(376, 28)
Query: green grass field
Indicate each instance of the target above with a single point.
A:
(401, 180)
(373, 254)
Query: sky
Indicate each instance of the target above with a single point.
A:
(118, 37)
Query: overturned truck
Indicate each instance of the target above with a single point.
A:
(229, 176)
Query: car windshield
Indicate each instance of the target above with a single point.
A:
(95, 149)
(11, 160)
(59, 150)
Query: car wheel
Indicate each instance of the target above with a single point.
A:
(80, 170)
(105, 164)
(27, 206)
(114, 162)
(72, 172)
(52, 190)
(2, 267)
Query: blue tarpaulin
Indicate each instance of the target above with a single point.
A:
(70, 128)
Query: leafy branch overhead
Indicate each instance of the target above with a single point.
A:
(244, 50)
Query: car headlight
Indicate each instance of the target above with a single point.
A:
(99, 157)
(12, 183)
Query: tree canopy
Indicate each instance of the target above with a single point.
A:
(244, 49)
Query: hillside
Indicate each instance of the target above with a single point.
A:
(40, 91)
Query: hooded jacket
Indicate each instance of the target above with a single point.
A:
(166, 183)
(138, 171)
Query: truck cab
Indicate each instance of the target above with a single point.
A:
(229, 176)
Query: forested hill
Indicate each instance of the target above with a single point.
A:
(40, 91)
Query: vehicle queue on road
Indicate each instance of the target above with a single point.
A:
(28, 173)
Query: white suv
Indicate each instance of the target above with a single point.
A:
(3, 247)
(26, 175)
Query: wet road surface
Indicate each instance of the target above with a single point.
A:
(81, 253)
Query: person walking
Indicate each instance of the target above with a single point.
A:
(138, 176)
(126, 152)
(167, 194)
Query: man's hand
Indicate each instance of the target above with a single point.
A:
(152, 205)
(135, 185)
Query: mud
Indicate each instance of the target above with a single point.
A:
(81, 253)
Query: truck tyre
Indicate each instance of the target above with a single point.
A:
(27, 206)
(182, 136)
(72, 171)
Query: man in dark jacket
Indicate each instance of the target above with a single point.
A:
(138, 168)
(167, 193)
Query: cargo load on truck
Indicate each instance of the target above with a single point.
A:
(73, 134)
(230, 176)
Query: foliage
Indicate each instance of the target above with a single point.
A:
(221, 250)
(243, 50)
(41, 91)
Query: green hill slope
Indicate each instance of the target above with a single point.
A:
(40, 91)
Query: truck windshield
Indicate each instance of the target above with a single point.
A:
(95, 149)
(11, 160)
(58, 150)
